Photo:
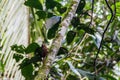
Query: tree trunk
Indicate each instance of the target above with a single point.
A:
(45, 69)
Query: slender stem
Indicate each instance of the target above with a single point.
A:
(105, 30)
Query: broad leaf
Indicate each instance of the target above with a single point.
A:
(24, 63)
(34, 4)
(17, 57)
(50, 4)
(62, 50)
(27, 72)
(19, 49)
(49, 14)
(81, 6)
(62, 10)
(86, 29)
(52, 31)
(75, 21)
(117, 8)
(70, 37)
(41, 14)
(32, 47)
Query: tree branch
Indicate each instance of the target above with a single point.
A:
(44, 70)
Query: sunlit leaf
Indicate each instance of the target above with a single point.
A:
(117, 8)
(24, 63)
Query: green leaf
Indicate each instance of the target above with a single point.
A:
(38, 51)
(31, 47)
(35, 59)
(81, 6)
(50, 4)
(52, 31)
(25, 63)
(75, 21)
(27, 72)
(49, 14)
(108, 17)
(70, 37)
(62, 50)
(117, 8)
(19, 49)
(41, 14)
(62, 10)
(34, 4)
(86, 29)
(17, 57)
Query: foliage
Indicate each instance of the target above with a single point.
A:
(28, 62)
(91, 46)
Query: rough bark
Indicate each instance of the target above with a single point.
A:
(44, 70)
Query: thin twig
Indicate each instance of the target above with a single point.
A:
(112, 17)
